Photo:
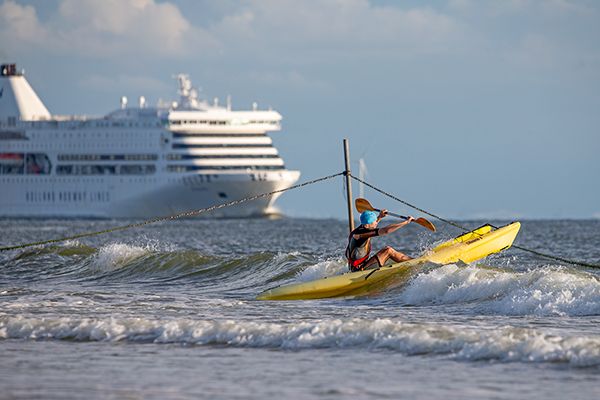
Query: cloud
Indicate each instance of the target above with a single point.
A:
(338, 26)
(497, 8)
(99, 29)
(19, 23)
(295, 34)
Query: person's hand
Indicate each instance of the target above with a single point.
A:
(410, 219)
(383, 213)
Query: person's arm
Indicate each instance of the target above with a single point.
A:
(366, 235)
(375, 232)
(394, 227)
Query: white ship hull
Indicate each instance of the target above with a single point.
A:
(112, 197)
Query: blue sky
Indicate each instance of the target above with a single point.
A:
(472, 109)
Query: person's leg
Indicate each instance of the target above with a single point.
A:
(379, 259)
(372, 262)
(387, 252)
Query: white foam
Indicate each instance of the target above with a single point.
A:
(72, 243)
(502, 344)
(116, 255)
(321, 270)
(281, 257)
(543, 291)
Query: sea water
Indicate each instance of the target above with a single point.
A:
(168, 311)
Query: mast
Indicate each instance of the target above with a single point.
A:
(348, 185)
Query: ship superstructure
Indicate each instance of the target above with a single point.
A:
(136, 161)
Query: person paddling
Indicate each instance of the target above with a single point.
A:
(359, 242)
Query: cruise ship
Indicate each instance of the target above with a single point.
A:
(135, 162)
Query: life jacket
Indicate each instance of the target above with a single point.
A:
(354, 264)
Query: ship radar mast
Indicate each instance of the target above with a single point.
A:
(188, 95)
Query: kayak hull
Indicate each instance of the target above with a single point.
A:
(466, 248)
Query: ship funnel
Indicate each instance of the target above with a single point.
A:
(142, 102)
(123, 102)
(18, 100)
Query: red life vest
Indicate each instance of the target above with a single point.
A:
(354, 264)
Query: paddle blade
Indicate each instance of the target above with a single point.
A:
(363, 205)
(425, 223)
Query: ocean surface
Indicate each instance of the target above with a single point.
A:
(168, 311)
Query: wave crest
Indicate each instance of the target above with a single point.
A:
(543, 291)
(505, 344)
(321, 270)
(116, 255)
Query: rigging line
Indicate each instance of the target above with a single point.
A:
(171, 217)
(409, 205)
(540, 254)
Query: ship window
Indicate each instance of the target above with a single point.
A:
(131, 169)
(107, 157)
(13, 135)
(183, 135)
(64, 170)
(190, 168)
(12, 163)
(212, 146)
(196, 157)
(137, 169)
(86, 169)
(38, 164)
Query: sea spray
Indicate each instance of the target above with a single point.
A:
(116, 255)
(543, 291)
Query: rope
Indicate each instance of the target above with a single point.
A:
(540, 254)
(409, 205)
(557, 258)
(170, 217)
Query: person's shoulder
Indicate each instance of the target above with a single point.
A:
(361, 230)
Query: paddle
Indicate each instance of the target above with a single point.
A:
(363, 205)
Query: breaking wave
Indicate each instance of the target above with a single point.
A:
(546, 290)
(153, 262)
(541, 291)
(321, 270)
(505, 344)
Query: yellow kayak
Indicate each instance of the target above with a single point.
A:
(469, 247)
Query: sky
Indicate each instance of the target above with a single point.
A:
(467, 108)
